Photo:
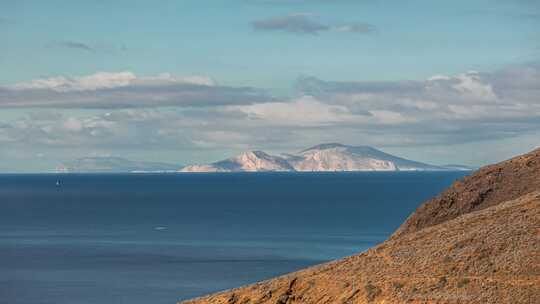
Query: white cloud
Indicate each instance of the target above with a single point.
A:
(390, 117)
(304, 111)
(308, 111)
(469, 85)
(468, 107)
(125, 90)
(444, 108)
(96, 81)
(105, 80)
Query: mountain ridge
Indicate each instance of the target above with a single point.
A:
(327, 157)
(322, 157)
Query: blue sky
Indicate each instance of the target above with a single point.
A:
(256, 53)
(414, 39)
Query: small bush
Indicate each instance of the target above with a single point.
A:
(442, 282)
(397, 285)
(461, 283)
(372, 291)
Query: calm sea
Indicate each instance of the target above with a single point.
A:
(100, 239)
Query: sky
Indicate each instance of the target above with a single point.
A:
(197, 81)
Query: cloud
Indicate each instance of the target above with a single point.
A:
(444, 109)
(125, 128)
(306, 24)
(89, 48)
(299, 23)
(361, 28)
(304, 111)
(76, 45)
(125, 90)
(460, 108)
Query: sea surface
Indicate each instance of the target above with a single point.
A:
(160, 238)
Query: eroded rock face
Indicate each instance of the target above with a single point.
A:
(487, 187)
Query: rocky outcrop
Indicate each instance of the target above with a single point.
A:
(482, 249)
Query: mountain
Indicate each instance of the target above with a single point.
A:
(325, 157)
(115, 165)
(477, 242)
(251, 161)
(338, 157)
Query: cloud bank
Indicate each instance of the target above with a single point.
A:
(125, 90)
(444, 109)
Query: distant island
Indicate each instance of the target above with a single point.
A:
(321, 158)
(107, 164)
(330, 157)
(477, 242)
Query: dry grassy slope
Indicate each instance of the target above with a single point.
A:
(487, 187)
(489, 256)
(444, 253)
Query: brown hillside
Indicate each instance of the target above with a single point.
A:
(491, 255)
(489, 186)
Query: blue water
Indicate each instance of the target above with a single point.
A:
(134, 239)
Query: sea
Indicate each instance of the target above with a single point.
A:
(162, 238)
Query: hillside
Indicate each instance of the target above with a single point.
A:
(483, 250)
(489, 186)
